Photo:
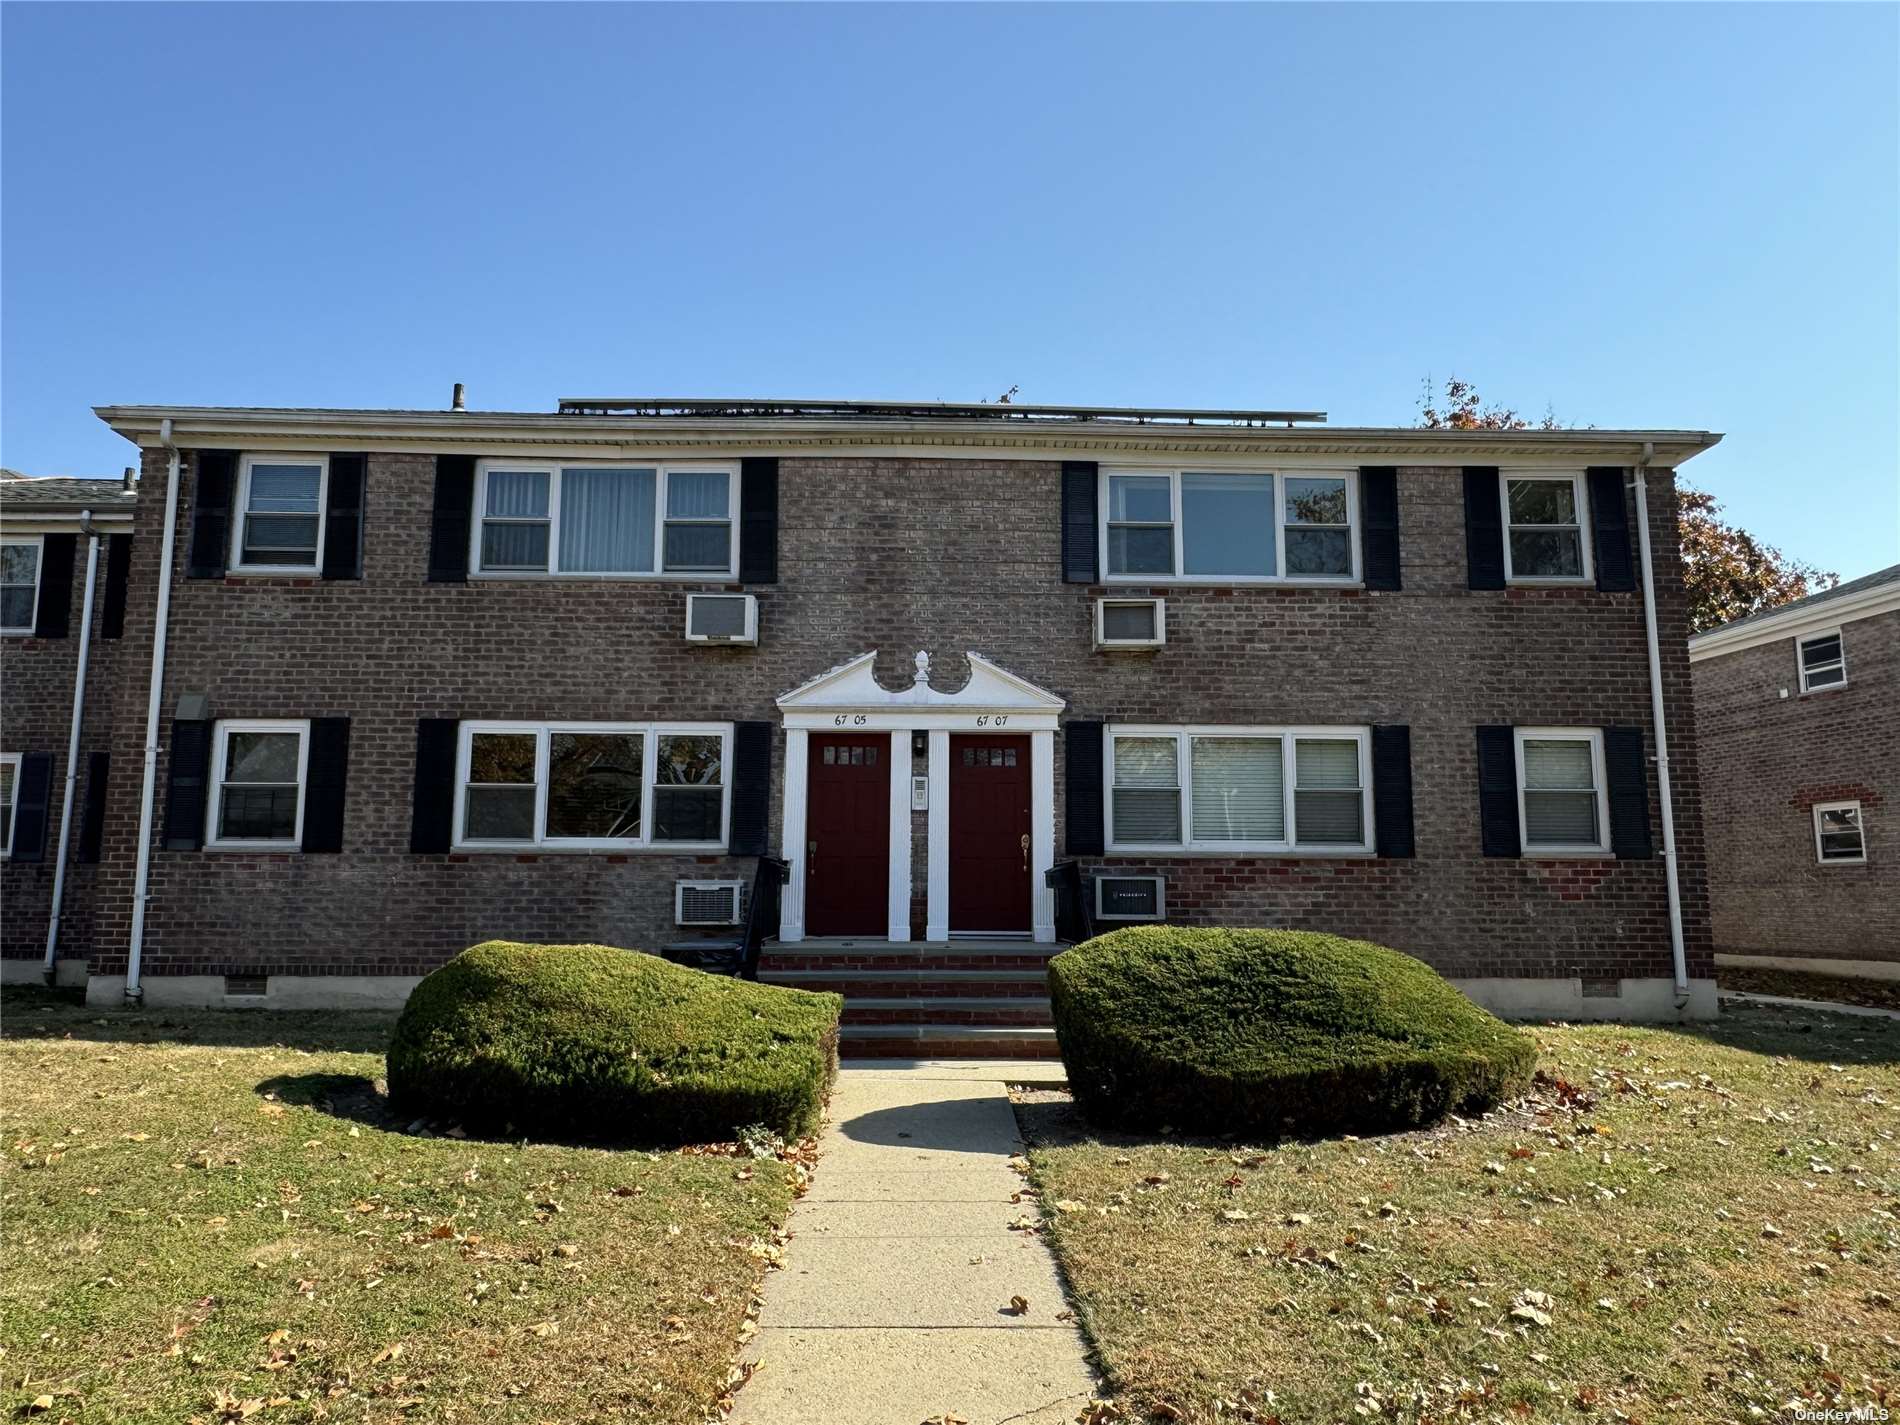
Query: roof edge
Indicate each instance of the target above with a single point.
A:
(1808, 616)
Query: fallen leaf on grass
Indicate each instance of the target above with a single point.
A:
(544, 1329)
(388, 1353)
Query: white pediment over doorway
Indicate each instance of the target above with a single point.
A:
(853, 687)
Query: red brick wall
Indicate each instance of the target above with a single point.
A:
(1768, 760)
(896, 555)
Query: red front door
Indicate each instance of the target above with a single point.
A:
(989, 834)
(848, 834)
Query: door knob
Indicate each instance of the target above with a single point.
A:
(1025, 851)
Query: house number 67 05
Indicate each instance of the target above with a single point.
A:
(984, 719)
(855, 719)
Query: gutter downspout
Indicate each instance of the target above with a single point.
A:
(147, 793)
(72, 741)
(1662, 730)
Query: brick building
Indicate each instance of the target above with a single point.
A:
(46, 546)
(1798, 728)
(431, 677)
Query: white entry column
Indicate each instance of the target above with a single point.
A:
(899, 928)
(937, 839)
(791, 904)
(1042, 832)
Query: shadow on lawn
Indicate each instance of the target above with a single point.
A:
(347, 1096)
(312, 1031)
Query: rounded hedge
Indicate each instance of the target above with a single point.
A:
(1271, 1032)
(592, 1042)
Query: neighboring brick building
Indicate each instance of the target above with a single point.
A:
(43, 559)
(436, 740)
(1798, 726)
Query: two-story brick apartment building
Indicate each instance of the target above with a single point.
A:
(1798, 726)
(429, 677)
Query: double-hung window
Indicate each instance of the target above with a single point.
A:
(1563, 798)
(1544, 535)
(604, 521)
(9, 775)
(257, 783)
(1839, 836)
(1229, 526)
(1238, 789)
(593, 785)
(19, 584)
(1823, 661)
(279, 508)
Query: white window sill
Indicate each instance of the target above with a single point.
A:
(1567, 853)
(1216, 581)
(16, 633)
(280, 848)
(1826, 688)
(530, 848)
(528, 576)
(274, 571)
(1255, 853)
(1567, 581)
(1843, 861)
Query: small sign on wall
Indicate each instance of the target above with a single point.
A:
(920, 794)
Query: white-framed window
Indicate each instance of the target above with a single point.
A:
(1563, 799)
(19, 583)
(1546, 527)
(278, 513)
(1238, 790)
(593, 785)
(258, 768)
(1229, 526)
(9, 780)
(1823, 659)
(539, 519)
(1840, 837)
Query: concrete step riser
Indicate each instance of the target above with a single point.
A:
(1037, 989)
(773, 961)
(986, 1048)
(1028, 1018)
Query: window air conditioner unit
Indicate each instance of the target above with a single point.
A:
(722, 618)
(1131, 623)
(1130, 897)
(708, 902)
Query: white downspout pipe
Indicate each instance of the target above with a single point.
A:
(1662, 730)
(136, 947)
(72, 740)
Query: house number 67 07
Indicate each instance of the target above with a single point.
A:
(984, 719)
(855, 719)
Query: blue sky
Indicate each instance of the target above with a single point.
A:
(1643, 216)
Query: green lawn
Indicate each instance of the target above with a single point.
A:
(207, 1218)
(1697, 1224)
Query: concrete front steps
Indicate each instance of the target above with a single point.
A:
(965, 999)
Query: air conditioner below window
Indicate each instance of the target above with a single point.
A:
(1131, 623)
(1130, 897)
(722, 618)
(708, 902)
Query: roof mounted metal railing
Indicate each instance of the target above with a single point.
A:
(713, 408)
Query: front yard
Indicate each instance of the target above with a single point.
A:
(1687, 1224)
(207, 1218)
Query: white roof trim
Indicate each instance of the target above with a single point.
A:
(1796, 622)
(853, 687)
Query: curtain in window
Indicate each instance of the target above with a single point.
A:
(1227, 524)
(607, 521)
(1560, 800)
(696, 495)
(1328, 807)
(1239, 789)
(1147, 790)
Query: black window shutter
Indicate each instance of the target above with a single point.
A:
(190, 780)
(1628, 775)
(1082, 799)
(343, 518)
(1484, 528)
(92, 817)
(758, 527)
(54, 616)
(1610, 530)
(1392, 789)
(1379, 518)
(326, 775)
(432, 827)
(118, 584)
(214, 482)
(1079, 482)
(449, 528)
(751, 787)
(1497, 792)
(32, 800)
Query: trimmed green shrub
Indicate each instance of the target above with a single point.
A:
(1270, 1032)
(586, 1041)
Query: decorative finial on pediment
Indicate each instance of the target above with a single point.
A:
(922, 679)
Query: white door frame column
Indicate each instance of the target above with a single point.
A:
(850, 699)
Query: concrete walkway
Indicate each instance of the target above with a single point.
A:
(893, 1306)
(1866, 1011)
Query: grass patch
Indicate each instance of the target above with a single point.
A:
(610, 1045)
(209, 1212)
(1696, 1223)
